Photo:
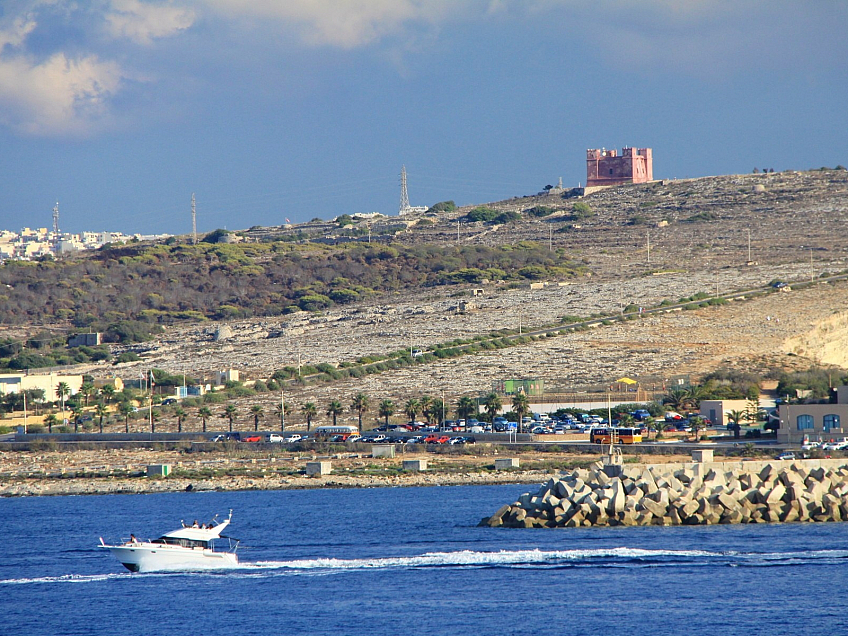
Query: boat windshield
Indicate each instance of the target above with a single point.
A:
(185, 543)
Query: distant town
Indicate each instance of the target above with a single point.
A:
(29, 244)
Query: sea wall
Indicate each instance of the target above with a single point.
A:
(684, 494)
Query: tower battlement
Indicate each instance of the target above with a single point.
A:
(606, 167)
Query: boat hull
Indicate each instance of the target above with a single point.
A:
(142, 558)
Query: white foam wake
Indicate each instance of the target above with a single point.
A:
(482, 559)
(604, 557)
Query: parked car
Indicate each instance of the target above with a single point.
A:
(786, 455)
(168, 401)
(418, 439)
(252, 438)
(275, 438)
(353, 439)
(294, 437)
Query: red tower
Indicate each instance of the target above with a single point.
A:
(606, 167)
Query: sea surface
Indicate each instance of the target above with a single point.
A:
(408, 561)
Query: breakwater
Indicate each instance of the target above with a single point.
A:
(697, 493)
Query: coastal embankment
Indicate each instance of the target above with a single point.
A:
(29, 487)
(697, 493)
(50, 472)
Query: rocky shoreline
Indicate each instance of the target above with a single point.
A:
(38, 487)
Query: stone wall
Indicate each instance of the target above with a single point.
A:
(685, 494)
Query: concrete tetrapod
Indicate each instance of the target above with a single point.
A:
(684, 494)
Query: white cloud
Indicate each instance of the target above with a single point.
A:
(57, 96)
(343, 23)
(142, 22)
(15, 34)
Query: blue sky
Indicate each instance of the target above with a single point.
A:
(275, 109)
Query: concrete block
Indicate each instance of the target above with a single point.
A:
(415, 465)
(158, 470)
(318, 468)
(505, 463)
(702, 455)
(383, 450)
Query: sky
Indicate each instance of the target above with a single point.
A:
(269, 110)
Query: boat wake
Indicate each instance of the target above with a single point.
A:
(612, 557)
(516, 559)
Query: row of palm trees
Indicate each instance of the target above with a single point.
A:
(432, 409)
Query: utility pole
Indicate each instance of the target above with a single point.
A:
(56, 227)
(404, 194)
(749, 245)
(193, 221)
(648, 238)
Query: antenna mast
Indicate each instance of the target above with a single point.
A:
(404, 195)
(193, 221)
(56, 220)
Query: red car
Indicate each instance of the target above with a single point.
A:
(253, 438)
(432, 438)
(444, 439)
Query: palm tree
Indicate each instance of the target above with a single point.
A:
(257, 412)
(281, 410)
(625, 420)
(125, 409)
(521, 406)
(386, 410)
(438, 411)
(736, 416)
(181, 414)
(425, 402)
(87, 390)
(465, 408)
(492, 405)
(230, 413)
(411, 408)
(697, 423)
(309, 411)
(108, 391)
(675, 400)
(204, 412)
(335, 409)
(50, 420)
(360, 405)
(650, 424)
(62, 391)
(694, 395)
(77, 412)
(100, 411)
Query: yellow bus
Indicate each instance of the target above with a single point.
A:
(618, 435)
(327, 432)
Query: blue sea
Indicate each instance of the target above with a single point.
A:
(411, 561)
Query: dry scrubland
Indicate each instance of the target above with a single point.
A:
(703, 248)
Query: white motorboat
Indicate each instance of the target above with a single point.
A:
(191, 547)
